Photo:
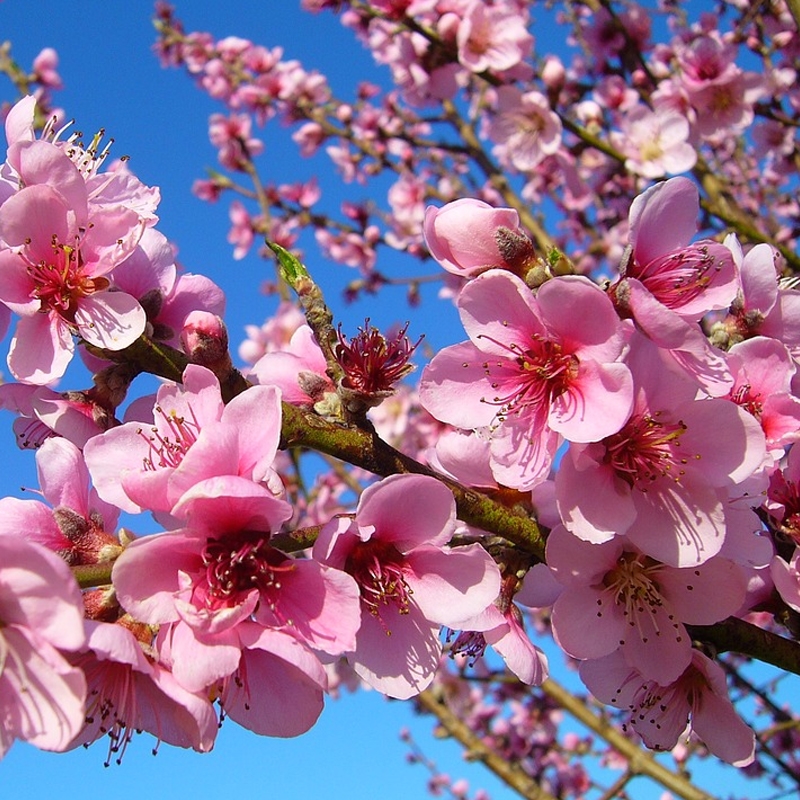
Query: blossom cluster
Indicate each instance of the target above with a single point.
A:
(636, 414)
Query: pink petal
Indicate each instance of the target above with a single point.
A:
(451, 586)
(402, 664)
(664, 218)
(587, 623)
(41, 349)
(146, 575)
(41, 695)
(428, 520)
(597, 403)
(112, 320)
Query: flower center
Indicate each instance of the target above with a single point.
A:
(237, 564)
(373, 363)
(678, 277)
(645, 450)
(751, 401)
(378, 569)
(60, 284)
(170, 440)
(632, 582)
(532, 379)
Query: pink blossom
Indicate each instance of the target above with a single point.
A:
(655, 142)
(221, 573)
(762, 306)
(299, 371)
(53, 273)
(44, 413)
(194, 436)
(45, 66)
(690, 279)
(232, 137)
(241, 234)
(532, 371)
(166, 294)
(278, 687)
(525, 130)
(615, 597)
(660, 713)
(662, 480)
(501, 627)
(411, 583)
(787, 579)
(129, 693)
(763, 370)
(783, 497)
(667, 284)
(41, 694)
(274, 335)
(492, 38)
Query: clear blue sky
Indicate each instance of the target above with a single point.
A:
(159, 119)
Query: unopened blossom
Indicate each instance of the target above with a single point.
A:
(535, 368)
(41, 614)
(468, 236)
(129, 692)
(524, 128)
(616, 597)
(661, 714)
(411, 583)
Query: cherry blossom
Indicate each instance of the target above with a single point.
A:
(660, 713)
(410, 582)
(129, 693)
(79, 526)
(662, 480)
(531, 372)
(617, 598)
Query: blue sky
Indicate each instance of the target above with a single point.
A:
(159, 119)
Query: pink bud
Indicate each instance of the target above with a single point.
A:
(462, 235)
(205, 340)
(553, 73)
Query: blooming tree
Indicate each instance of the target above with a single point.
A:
(600, 475)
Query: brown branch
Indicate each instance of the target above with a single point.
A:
(639, 761)
(505, 769)
(738, 636)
